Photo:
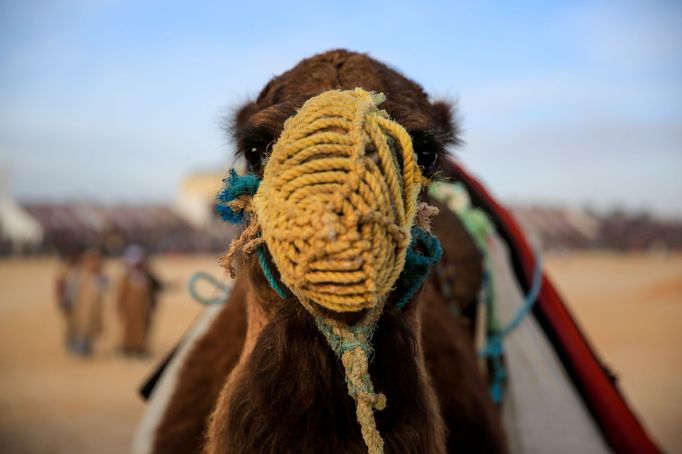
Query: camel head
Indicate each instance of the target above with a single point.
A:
(337, 240)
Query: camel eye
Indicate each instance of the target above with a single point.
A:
(426, 160)
(253, 157)
(427, 147)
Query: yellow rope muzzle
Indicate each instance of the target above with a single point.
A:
(336, 204)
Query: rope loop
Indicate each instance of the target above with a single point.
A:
(198, 276)
(494, 348)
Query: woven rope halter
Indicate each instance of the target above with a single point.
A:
(335, 209)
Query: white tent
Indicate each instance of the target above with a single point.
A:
(17, 226)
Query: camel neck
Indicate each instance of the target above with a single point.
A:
(289, 382)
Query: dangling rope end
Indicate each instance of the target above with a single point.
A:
(380, 401)
(247, 242)
(425, 213)
(225, 262)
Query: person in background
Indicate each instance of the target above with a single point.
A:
(137, 297)
(65, 289)
(84, 291)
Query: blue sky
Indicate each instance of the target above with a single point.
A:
(577, 103)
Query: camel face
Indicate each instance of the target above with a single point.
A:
(311, 214)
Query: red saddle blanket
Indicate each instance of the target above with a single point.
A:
(594, 382)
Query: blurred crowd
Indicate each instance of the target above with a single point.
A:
(81, 288)
(579, 229)
(59, 227)
(160, 229)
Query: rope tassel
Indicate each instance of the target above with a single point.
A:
(366, 401)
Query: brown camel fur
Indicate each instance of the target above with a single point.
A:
(263, 378)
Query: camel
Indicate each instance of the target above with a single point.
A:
(259, 373)
(260, 377)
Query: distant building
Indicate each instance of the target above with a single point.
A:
(196, 197)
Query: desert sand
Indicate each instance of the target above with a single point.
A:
(628, 305)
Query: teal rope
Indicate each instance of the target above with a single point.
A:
(417, 265)
(411, 279)
(494, 348)
(338, 345)
(201, 275)
(530, 299)
(269, 275)
(235, 186)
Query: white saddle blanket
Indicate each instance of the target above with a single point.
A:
(542, 411)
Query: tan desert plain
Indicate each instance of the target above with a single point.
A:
(630, 307)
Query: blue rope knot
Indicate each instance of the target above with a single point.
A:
(360, 338)
(494, 347)
(235, 186)
(494, 350)
(267, 272)
(348, 346)
(417, 265)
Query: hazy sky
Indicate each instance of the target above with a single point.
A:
(572, 102)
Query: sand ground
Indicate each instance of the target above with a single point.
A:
(629, 305)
